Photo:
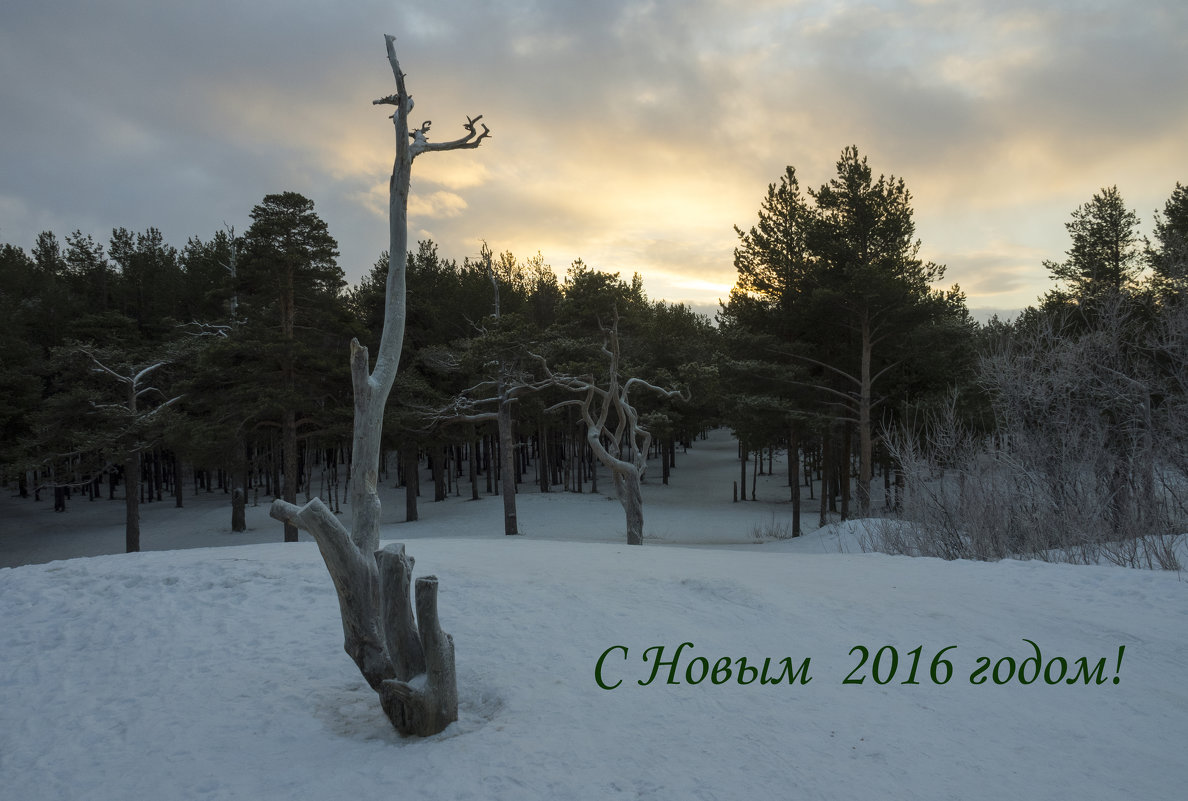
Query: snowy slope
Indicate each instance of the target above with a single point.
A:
(218, 673)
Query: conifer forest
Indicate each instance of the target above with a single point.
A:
(139, 370)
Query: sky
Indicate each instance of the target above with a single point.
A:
(632, 135)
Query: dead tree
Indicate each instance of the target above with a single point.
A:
(410, 664)
(490, 402)
(133, 421)
(621, 443)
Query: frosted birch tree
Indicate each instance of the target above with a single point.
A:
(409, 663)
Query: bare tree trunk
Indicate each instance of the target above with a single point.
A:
(507, 449)
(131, 502)
(631, 499)
(239, 492)
(742, 460)
(389, 648)
(629, 442)
(488, 465)
(437, 456)
(507, 463)
(289, 446)
(825, 473)
(411, 474)
(865, 446)
(473, 469)
(418, 691)
(593, 470)
(431, 705)
(843, 466)
(794, 476)
(542, 458)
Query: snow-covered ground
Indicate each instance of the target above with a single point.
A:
(218, 672)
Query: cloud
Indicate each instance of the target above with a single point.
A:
(436, 205)
(457, 173)
(990, 275)
(632, 134)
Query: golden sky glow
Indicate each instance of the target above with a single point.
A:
(632, 135)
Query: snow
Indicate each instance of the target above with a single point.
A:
(218, 672)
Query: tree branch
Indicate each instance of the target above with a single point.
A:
(421, 145)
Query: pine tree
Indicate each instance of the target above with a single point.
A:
(836, 288)
(20, 357)
(1169, 258)
(865, 236)
(1104, 257)
(290, 295)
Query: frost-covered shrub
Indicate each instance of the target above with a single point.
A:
(1086, 464)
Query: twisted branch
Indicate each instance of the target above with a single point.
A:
(403, 101)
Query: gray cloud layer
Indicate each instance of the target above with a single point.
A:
(632, 134)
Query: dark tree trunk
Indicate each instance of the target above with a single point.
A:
(542, 459)
(577, 455)
(290, 468)
(843, 469)
(826, 458)
(157, 474)
(177, 482)
(865, 441)
(488, 471)
(794, 477)
(507, 469)
(411, 466)
(474, 451)
(631, 499)
(742, 460)
(131, 503)
(439, 479)
(589, 454)
(239, 494)
(808, 471)
(887, 502)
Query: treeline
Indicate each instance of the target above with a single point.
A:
(225, 364)
(834, 329)
(1076, 445)
(1061, 434)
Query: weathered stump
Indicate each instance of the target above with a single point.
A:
(408, 660)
